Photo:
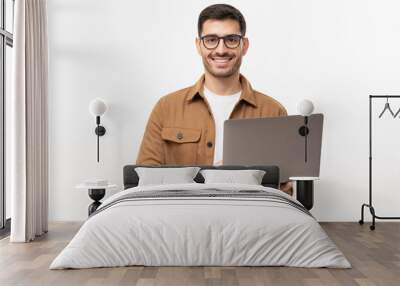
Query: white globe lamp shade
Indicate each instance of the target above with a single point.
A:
(305, 107)
(97, 107)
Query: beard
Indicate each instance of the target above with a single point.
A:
(225, 72)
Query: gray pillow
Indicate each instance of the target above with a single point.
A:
(249, 177)
(162, 176)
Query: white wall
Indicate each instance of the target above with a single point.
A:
(130, 53)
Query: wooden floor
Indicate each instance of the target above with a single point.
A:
(374, 255)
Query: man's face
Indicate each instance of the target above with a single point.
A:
(222, 61)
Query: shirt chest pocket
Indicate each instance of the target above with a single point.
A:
(181, 145)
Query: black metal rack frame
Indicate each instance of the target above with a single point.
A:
(369, 205)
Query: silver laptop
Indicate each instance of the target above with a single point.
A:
(275, 141)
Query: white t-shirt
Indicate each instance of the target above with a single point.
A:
(221, 108)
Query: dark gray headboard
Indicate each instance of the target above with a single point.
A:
(270, 179)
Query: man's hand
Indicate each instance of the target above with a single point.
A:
(287, 187)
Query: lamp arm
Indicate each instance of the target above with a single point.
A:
(98, 145)
(305, 137)
(99, 131)
(303, 131)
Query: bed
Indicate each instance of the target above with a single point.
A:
(201, 224)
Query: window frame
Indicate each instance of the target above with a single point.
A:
(6, 39)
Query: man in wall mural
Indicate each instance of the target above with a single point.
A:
(186, 126)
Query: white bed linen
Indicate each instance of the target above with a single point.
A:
(206, 231)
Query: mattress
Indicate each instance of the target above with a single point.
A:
(201, 225)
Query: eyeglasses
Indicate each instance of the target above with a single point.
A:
(230, 41)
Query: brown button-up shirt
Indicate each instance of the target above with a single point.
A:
(181, 129)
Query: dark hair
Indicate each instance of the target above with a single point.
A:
(221, 12)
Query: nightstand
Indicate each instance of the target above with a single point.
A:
(305, 190)
(96, 193)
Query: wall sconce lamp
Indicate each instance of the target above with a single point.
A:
(97, 108)
(305, 108)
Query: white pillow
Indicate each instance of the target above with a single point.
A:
(162, 176)
(248, 177)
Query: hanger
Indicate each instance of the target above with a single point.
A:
(387, 107)
(398, 111)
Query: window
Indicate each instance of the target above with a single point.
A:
(6, 44)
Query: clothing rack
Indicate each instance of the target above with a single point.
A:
(369, 205)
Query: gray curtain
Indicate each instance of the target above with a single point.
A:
(29, 123)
